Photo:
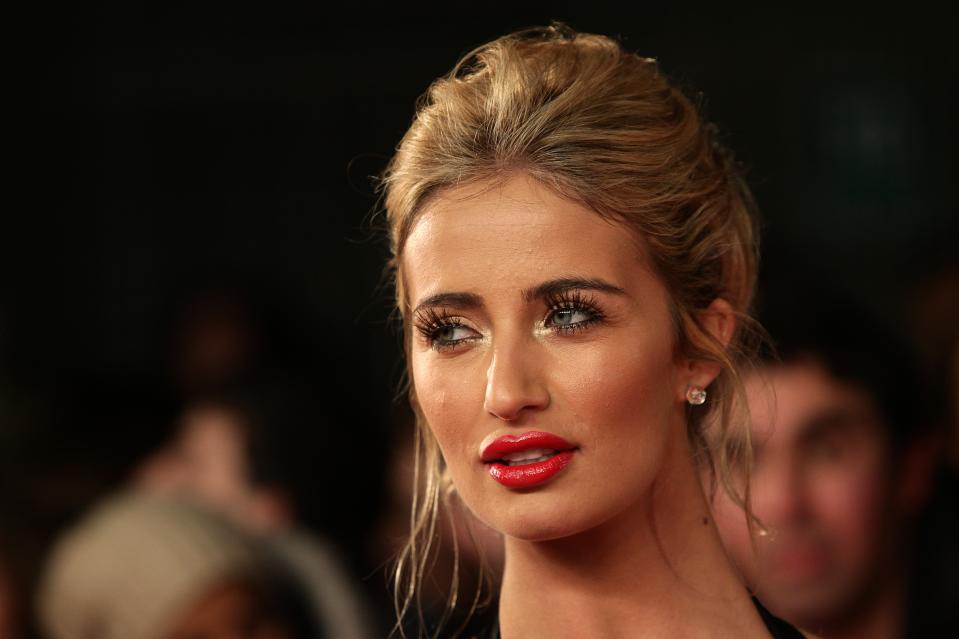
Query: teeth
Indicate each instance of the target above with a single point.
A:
(529, 455)
(528, 461)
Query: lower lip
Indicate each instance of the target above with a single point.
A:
(529, 475)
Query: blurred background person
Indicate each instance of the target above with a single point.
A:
(145, 567)
(188, 209)
(257, 453)
(259, 403)
(842, 468)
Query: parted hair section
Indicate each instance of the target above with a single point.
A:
(605, 128)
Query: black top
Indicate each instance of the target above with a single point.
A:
(778, 628)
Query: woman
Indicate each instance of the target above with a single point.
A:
(574, 260)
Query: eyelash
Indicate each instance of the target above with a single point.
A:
(573, 301)
(430, 322)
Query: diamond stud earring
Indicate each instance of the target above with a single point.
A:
(696, 395)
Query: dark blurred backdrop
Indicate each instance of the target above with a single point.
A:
(164, 153)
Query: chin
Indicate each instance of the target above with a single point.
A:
(808, 607)
(535, 518)
(536, 530)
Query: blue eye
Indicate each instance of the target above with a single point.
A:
(571, 320)
(570, 317)
(442, 331)
(450, 334)
(572, 311)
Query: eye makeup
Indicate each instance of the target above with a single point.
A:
(567, 311)
(565, 305)
(438, 328)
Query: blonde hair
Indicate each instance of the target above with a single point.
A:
(605, 128)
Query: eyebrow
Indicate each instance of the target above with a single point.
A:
(563, 284)
(458, 300)
(545, 290)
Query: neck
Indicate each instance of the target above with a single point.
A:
(657, 569)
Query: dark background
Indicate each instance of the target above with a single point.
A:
(156, 151)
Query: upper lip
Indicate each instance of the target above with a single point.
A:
(515, 443)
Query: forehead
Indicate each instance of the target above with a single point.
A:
(499, 236)
(790, 401)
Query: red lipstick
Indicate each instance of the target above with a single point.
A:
(527, 460)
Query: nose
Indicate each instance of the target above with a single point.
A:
(514, 380)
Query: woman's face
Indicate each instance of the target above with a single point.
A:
(538, 327)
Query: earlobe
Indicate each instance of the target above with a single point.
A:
(700, 373)
(695, 395)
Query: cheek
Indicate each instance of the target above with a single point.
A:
(848, 500)
(621, 394)
(449, 396)
(616, 399)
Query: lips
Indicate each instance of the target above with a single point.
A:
(527, 460)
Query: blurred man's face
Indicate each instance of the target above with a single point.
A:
(818, 485)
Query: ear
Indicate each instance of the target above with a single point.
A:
(718, 320)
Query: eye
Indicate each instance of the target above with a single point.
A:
(446, 337)
(572, 311)
(443, 332)
(450, 333)
(570, 316)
